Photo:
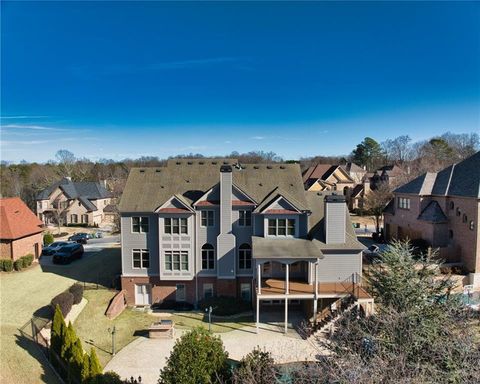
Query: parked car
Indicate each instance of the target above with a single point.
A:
(54, 247)
(68, 253)
(97, 235)
(81, 238)
(372, 253)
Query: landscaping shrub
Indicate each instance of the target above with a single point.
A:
(6, 265)
(64, 300)
(173, 305)
(18, 264)
(225, 306)
(62, 234)
(27, 260)
(48, 239)
(77, 291)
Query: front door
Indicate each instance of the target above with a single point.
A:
(143, 294)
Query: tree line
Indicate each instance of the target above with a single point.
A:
(26, 180)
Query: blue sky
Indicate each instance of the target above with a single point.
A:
(116, 80)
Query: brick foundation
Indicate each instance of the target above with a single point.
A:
(166, 290)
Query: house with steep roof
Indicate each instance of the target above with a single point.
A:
(442, 208)
(72, 202)
(20, 230)
(201, 228)
(328, 177)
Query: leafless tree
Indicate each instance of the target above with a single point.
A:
(376, 200)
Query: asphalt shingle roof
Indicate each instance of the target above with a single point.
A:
(433, 213)
(462, 179)
(74, 189)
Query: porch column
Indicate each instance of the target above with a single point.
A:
(286, 315)
(287, 282)
(315, 300)
(258, 313)
(259, 279)
(316, 280)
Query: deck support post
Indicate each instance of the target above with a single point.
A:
(258, 313)
(259, 279)
(316, 280)
(286, 315)
(315, 300)
(287, 283)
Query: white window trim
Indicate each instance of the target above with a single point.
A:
(239, 218)
(209, 287)
(179, 218)
(180, 261)
(201, 218)
(142, 251)
(140, 224)
(276, 218)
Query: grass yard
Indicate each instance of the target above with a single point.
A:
(92, 325)
(23, 294)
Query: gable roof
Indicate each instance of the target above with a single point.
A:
(352, 167)
(433, 213)
(462, 179)
(148, 188)
(74, 189)
(323, 172)
(17, 220)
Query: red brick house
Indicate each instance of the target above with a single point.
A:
(20, 230)
(442, 208)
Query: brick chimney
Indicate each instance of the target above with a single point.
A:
(335, 219)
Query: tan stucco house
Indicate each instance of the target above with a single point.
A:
(73, 202)
(442, 208)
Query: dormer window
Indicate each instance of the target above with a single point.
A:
(281, 227)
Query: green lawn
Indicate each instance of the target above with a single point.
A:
(23, 294)
(92, 325)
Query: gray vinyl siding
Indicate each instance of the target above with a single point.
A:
(335, 217)
(132, 240)
(243, 236)
(258, 225)
(226, 240)
(207, 235)
(177, 242)
(338, 267)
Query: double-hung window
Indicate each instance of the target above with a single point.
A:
(281, 227)
(403, 203)
(175, 225)
(176, 260)
(207, 218)
(141, 258)
(140, 224)
(245, 218)
(208, 256)
(245, 256)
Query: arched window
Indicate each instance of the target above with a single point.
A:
(450, 234)
(245, 257)
(458, 211)
(345, 191)
(452, 205)
(465, 218)
(472, 225)
(208, 256)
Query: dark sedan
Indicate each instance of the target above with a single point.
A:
(68, 253)
(81, 238)
(54, 247)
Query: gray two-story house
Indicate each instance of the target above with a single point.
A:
(200, 228)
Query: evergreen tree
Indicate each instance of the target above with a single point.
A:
(76, 359)
(68, 341)
(368, 153)
(58, 331)
(85, 374)
(198, 357)
(95, 367)
(257, 367)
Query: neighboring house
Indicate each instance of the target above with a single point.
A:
(73, 202)
(389, 174)
(356, 172)
(442, 208)
(328, 177)
(200, 228)
(20, 230)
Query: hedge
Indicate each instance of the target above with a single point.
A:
(48, 239)
(77, 291)
(6, 265)
(64, 301)
(27, 260)
(225, 306)
(18, 265)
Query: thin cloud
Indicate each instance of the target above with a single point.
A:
(258, 138)
(24, 117)
(32, 127)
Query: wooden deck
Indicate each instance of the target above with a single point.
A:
(277, 287)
